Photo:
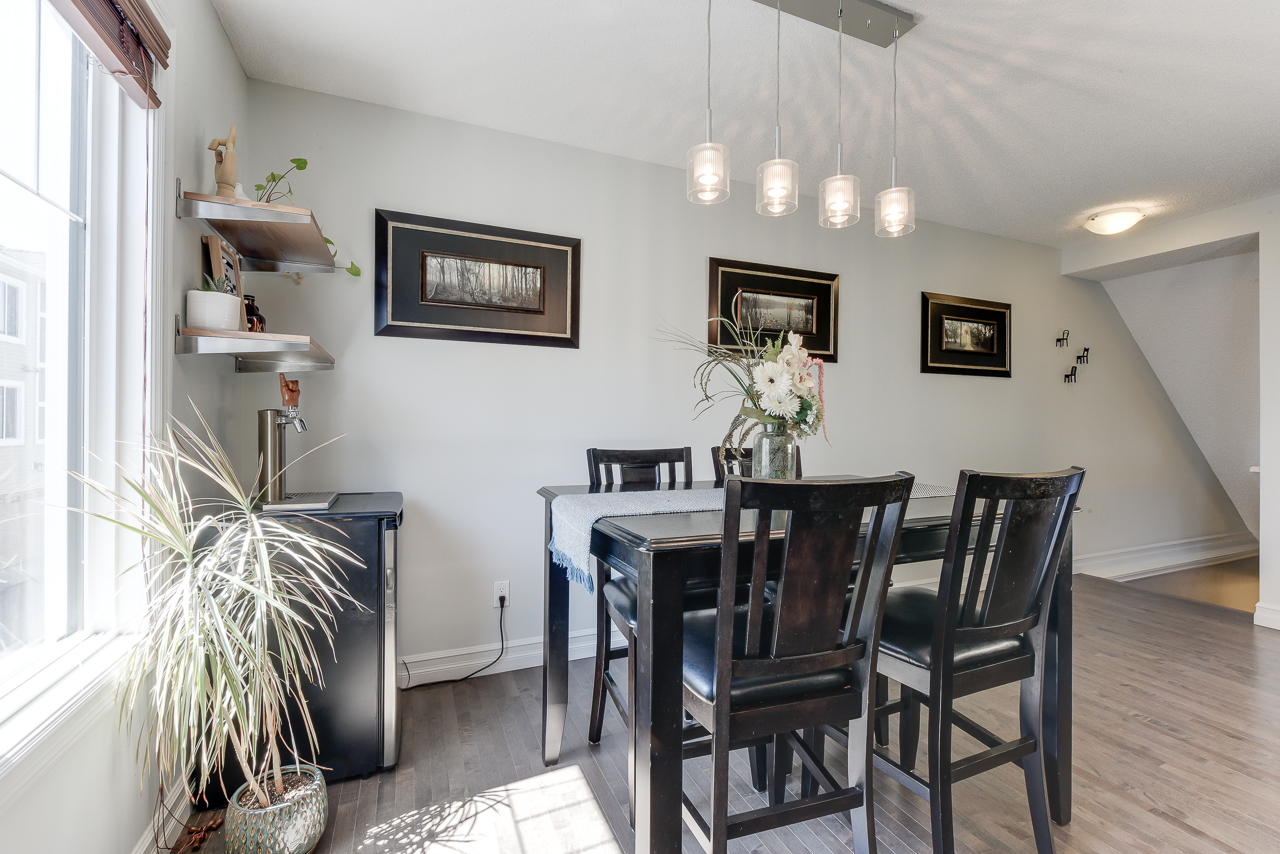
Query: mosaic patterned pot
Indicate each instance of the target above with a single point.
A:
(288, 828)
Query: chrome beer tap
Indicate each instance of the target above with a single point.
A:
(271, 424)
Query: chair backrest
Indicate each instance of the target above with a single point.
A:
(639, 467)
(996, 579)
(809, 629)
(739, 462)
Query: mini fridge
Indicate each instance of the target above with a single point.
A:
(357, 711)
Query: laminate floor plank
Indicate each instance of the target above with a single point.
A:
(1177, 748)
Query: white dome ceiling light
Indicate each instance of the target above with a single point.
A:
(1114, 221)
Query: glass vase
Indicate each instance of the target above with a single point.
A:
(774, 453)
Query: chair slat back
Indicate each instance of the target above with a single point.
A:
(998, 590)
(639, 468)
(822, 521)
(738, 462)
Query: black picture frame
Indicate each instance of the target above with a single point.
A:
(943, 321)
(473, 306)
(815, 297)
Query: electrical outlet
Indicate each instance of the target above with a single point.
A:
(501, 588)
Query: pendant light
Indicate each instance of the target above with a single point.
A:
(778, 180)
(838, 196)
(896, 206)
(708, 164)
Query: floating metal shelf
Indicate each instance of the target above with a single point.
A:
(269, 238)
(256, 352)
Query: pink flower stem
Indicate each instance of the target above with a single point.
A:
(809, 362)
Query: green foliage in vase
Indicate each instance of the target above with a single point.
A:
(232, 596)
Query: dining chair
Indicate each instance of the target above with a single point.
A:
(616, 596)
(738, 461)
(985, 627)
(759, 672)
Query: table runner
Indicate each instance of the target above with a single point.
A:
(573, 516)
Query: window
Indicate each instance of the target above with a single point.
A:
(10, 310)
(10, 414)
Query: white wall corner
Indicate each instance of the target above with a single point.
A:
(1157, 558)
(177, 812)
(1267, 616)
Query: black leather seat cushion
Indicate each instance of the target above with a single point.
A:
(620, 592)
(907, 632)
(700, 664)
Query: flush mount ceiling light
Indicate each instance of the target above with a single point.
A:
(1114, 221)
(838, 196)
(708, 164)
(896, 206)
(778, 180)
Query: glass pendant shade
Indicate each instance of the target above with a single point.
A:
(708, 173)
(777, 187)
(838, 201)
(895, 212)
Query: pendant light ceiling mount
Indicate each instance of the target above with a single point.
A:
(839, 197)
(864, 19)
(778, 180)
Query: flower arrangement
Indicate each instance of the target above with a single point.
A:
(771, 376)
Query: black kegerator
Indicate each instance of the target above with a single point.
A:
(357, 712)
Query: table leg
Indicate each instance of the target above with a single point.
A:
(1057, 696)
(659, 708)
(555, 651)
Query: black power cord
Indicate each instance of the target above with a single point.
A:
(502, 650)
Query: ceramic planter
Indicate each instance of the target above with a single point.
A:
(289, 828)
(213, 310)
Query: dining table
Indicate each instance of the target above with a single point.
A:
(666, 553)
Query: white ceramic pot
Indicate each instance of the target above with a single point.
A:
(213, 310)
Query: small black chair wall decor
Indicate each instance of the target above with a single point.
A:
(1070, 376)
(1083, 358)
(985, 627)
(739, 462)
(765, 670)
(1062, 341)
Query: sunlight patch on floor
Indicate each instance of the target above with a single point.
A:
(552, 813)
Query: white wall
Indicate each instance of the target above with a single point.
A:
(1159, 246)
(94, 776)
(468, 432)
(1198, 327)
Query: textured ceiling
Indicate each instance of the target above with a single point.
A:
(1016, 118)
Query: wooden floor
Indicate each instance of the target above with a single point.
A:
(1177, 748)
(1233, 584)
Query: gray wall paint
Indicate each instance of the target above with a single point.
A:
(469, 431)
(1198, 327)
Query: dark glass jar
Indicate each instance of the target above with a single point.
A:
(254, 318)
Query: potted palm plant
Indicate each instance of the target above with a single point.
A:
(233, 599)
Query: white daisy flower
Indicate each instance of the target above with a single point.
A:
(781, 406)
(771, 379)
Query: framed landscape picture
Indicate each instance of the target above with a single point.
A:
(462, 281)
(774, 300)
(959, 335)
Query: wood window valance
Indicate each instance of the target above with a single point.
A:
(125, 37)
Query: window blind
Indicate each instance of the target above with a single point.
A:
(125, 37)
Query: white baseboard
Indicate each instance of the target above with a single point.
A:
(179, 810)
(520, 654)
(1158, 558)
(1267, 616)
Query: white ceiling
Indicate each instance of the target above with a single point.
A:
(1017, 117)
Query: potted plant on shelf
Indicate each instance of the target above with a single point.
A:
(215, 306)
(233, 596)
(778, 395)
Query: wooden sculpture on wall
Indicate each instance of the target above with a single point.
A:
(225, 170)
